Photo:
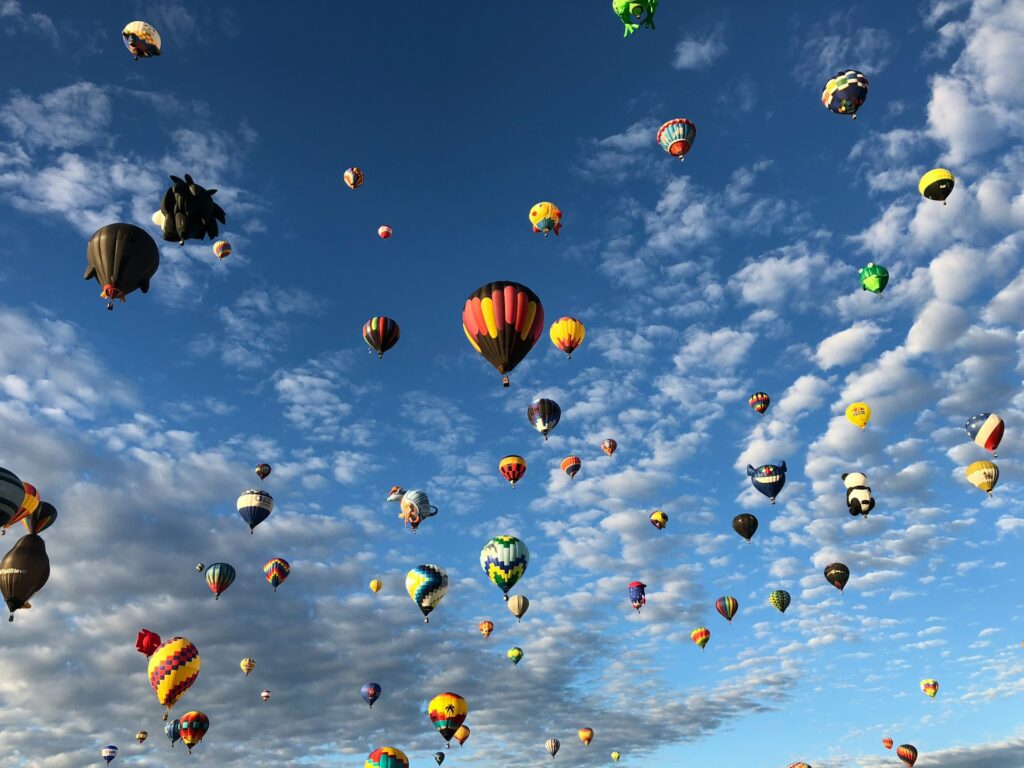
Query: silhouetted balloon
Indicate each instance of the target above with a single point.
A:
(189, 212)
(745, 525)
(121, 257)
(23, 572)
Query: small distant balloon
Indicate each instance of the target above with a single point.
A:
(930, 687)
(845, 92)
(937, 184)
(370, 692)
(659, 519)
(265, 694)
(353, 178)
(608, 445)
(385, 232)
(545, 217)
(219, 577)
(779, 599)
(700, 636)
(759, 401)
(567, 333)
(859, 414)
(676, 137)
(512, 468)
(571, 466)
(141, 39)
(486, 628)
(983, 475)
(985, 429)
(515, 655)
(375, 585)
(745, 525)
(276, 570)
(837, 575)
(263, 471)
(222, 249)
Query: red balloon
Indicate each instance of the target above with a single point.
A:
(147, 642)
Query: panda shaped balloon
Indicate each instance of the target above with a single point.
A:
(858, 494)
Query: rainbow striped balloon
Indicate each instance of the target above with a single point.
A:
(276, 570)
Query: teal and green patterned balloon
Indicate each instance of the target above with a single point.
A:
(504, 560)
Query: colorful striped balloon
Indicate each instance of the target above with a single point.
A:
(447, 712)
(381, 334)
(986, 429)
(29, 504)
(567, 333)
(354, 178)
(676, 136)
(504, 559)
(727, 606)
(194, 726)
(222, 249)
(544, 415)
(173, 668)
(219, 577)
(503, 320)
(586, 735)
(759, 401)
(44, 516)
(907, 753)
(512, 468)
(387, 757)
(845, 93)
(571, 465)
(426, 585)
(930, 687)
(108, 753)
(700, 636)
(276, 570)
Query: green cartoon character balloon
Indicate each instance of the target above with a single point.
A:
(624, 9)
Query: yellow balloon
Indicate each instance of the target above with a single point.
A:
(375, 585)
(247, 665)
(983, 475)
(936, 184)
(567, 334)
(173, 668)
(616, 756)
(859, 414)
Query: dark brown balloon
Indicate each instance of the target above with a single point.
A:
(262, 470)
(837, 575)
(745, 525)
(23, 571)
(122, 257)
(189, 211)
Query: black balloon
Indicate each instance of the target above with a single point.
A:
(189, 211)
(745, 525)
(439, 757)
(23, 571)
(122, 257)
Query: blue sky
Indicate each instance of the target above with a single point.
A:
(699, 283)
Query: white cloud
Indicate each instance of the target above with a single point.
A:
(848, 345)
(700, 52)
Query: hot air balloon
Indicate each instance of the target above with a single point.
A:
(859, 414)
(659, 519)
(219, 577)
(121, 257)
(24, 570)
(353, 177)
(845, 92)
(141, 39)
(247, 665)
(700, 636)
(571, 465)
(108, 753)
(986, 430)
(461, 734)
(381, 333)
(147, 642)
(745, 525)
(544, 415)
(38, 521)
(396, 493)
(545, 217)
(518, 605)
(936, 184)
(504, 560)
(384, 232)
(375, 585)
(799, 765)
(586, 735)
(983, 475)
(263, 471)
(887, 742)
(567, 333)
(265, 695)
(173, 731)
(416, 508)
(552, 745)
(439, 757)
(873, 278)
(676, 136)
(503, 320)
(616, 756)
(837, 575)
(608, 445)
(769, 479)
(29, 504)
(907, 753)
(386, 757)
(12, 493)
(141, 736)
(779, 599)
(200, 567)
(222, 249)
(426, 585)
(447, 712)
(727, 607)
(515, 655)
(486, 627)
(254, 506)
(759, 401)
(370, 692)
(187, 212)
(930, 687)
(635, 8)
(194, 726)
(172, 670)
(276, 570)
(512, 468)
(637, 596)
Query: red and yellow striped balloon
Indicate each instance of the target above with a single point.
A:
(503, 320)
(512, 468)
(387, 757)
(567, 334)
(700, 636)
(194, 726)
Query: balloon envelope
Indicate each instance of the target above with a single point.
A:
(24, 570)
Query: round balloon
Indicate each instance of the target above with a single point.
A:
(247, 665)
(700, 636)
(461, 734)
(543, 415)
(426, 585)
(353, 178)
(219, 577)
(845, 93)
(254, 506)
(937, 184)
(727, 607)
(907, 753)
(545, 217)
(370, 692)
(983, 475)
(141, 39)
(608, 445)
(194, 726)
(873, 278)
(222, 249)
(447, 711)
(515, 655)
(518, 605)
(571, 465)
(384, 232)
(659, 519)
(552, 746)
(586, 735)
(779, 599)
(276, 570)
(376, 585)
(381, 334)
(512, 468)
(837, 575)
(122, 258)
(745, 525)
(930, 687)
(503, 321)
(486, 628)
(985, 429)
(676, 136)
(504, 560)
(567, 333)
(859, 414)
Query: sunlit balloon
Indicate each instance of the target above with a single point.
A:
(381, 334)
(837, 574)
(486, 628)
(42, 518)
(887, 742)
(222, 249)
(461, 734)
(779, 599)
(515, 655)
(518, 605)
(219, 577)
(759, 401)
(700, 636)
(567, 333)
(247, 665)
(545, 217)
(354, 178)
(727, 607)
(108, 753)
(930, 687)
(768, 479)
(616, 756)
(512, 468)
(552, 746)
(986, 429)
(173, 668)
(608, 445)
(637, 594)
(544, 415)
(907, 753)
(503, 320)
(147, 642)
(426, 585)
(276, 570)
(416, 507)
(859, 414)
(586, 735)
(375, 585)
(254, 506)
(29, 504)
(384, 232)
(659, 519)
(387, 757)
(141, 736)
(141, 39)
(447, 711)
(845, 92)
(676, 136)
(370, 692)
(937, 184)
(873, 278)
(504, 560)
(571, 465)
(265, 695)
(983, 475)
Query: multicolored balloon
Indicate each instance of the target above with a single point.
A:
(354, 178)
(515, 655)
(873, 278)
(447, 712)
(416, 508)
(608, 445)
(937, 184)
(727, 607)
(504, 559)
(768, 479)
(759, 401)
(567, 333)
(983, 475)
(263, 471)
(545, 217)
(887, 742)
(173, 668)
(907, 753)
(381, 333)
(845, 93)
(930, 687)
(276, 570)
(544, 415)
(370, 692)
(141, 39)
(986, 429)
(503, 321)
(700, 636)
(779, 599)
(512, 468)
(837, 574)
(387, 757)
(42, 518)
(659, 519)
(571, 465)
(486, 628)
(518, 605)
(254, 506)
(676, 136)
(247, 665)
(222, 249)
(194, 726)
(384, 232)
(219, 577)
(12, 494)
(426, 585)
(29, 504)
(586, 735)
(637, 595)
